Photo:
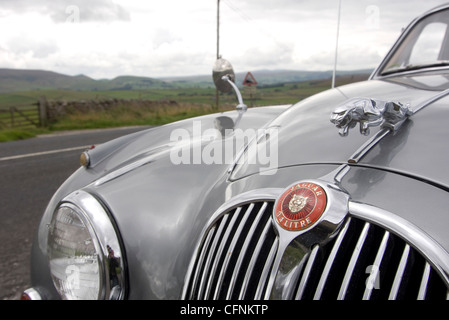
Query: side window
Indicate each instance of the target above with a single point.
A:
(428, 46)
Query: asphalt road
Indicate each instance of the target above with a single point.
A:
(30, 172)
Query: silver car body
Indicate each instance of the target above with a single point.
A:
(172, 221)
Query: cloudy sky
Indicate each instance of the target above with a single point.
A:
(108, 38)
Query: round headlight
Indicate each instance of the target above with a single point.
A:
(84, 252)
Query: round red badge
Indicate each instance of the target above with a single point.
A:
(300, 206)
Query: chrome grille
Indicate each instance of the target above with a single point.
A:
(235, 259)
(364, 261)
(367, 262)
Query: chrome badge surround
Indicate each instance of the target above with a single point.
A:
(324, 229)
(327, 219)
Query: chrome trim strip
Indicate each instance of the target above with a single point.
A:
(374, 272)
(411, 73)
(220, 250)
(306, 274)
(214, 266)
(266, 272)
(424, 281)
(254, 258)
(242, 254)
(232, 248)
(399, 273)
(124, 170)
(431, 100)
(426, 246)
(275, 266)
(201, 259)
(330, 261)
(354, 258)
(368, 145)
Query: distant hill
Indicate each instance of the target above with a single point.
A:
(13, 80)
(270, 77)
(24, 80)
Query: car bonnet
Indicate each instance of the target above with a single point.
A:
(305, 135)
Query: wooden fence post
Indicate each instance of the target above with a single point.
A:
(11, 111)
(42, 106)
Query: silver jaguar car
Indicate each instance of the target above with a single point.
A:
(344, 195)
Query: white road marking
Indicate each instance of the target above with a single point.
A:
(28, 155)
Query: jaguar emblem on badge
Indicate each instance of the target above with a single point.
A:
(297, 203)
(300, 206)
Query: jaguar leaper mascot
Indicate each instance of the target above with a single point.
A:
(369, 113)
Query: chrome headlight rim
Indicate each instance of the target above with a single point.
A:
(108, 245)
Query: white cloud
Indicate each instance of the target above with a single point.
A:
(69, 10)
(107, 38)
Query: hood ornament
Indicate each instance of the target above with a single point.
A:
(369, 113)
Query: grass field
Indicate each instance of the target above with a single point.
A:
(173, 104)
